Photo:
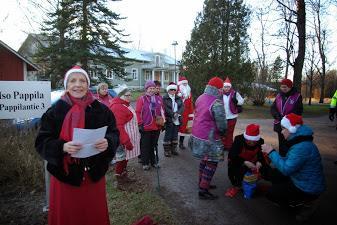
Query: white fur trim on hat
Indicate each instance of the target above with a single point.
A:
(251, 138)
(285, 122)
(227, 84)
(75, 69)
(182, 82)
(171, 86)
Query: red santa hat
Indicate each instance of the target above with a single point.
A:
(287, 82)
(75, 69)
(171, 85)
(227, 83)
(216, 82)
(182, 80)
(292, 122)
(252, 132)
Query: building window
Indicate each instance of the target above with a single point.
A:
(157, 61)
(93, 74)
(110, 74)
(134, 74)
(148, 75)
(166, 77)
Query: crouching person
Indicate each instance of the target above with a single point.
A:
(209, 126)
(299, 177)
(245, 156)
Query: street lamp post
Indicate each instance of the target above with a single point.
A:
(175, 43)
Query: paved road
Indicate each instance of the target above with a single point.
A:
(178, 185)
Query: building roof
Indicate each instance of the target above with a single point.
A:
(30, 66)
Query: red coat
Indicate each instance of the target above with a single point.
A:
(187, 116)
(122, 115)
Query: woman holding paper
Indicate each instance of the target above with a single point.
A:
(129, 136)
(77, 185)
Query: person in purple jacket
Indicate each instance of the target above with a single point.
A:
(287, 101)
(208, 127)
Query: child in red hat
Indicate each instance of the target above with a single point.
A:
(245, 155)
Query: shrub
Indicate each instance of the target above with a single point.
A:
(19, 162)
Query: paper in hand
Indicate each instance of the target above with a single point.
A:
(88, 138)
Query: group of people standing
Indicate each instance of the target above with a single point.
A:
(77, 188)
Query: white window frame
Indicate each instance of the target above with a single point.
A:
(93, 74)
(148, 75)
(157, 60)
(110, 74)
(166, 76)
(134, 72)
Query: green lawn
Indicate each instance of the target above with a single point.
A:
(263, 112)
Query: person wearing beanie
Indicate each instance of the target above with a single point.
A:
(129, 136)
(233, 105)
(173, 108)
(245, 155)
(209, 125)
(184, 91)
(149, 110)
(298, 177)
(103, 94)
(77, 182)
(288, 100)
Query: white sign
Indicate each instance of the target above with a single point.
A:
(24, 99)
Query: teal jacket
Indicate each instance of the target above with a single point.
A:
(302, 163)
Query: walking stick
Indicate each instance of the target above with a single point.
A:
(156, 158)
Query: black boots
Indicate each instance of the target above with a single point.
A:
(174, 149)
(206, 195)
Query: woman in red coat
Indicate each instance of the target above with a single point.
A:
(129, 136)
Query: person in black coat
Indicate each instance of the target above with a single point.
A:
(173, 107)
(77, 185)
(289, 100)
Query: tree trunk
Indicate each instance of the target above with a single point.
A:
(300, 24)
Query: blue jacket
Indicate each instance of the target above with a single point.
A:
(302, 163)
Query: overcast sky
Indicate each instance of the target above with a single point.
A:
(153, 25)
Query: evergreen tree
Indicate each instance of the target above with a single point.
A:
(276, 72)
(85, 32)
(219, 45)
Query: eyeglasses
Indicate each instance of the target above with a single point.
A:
(172, 90)
(129, 95)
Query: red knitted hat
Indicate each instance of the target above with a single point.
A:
(216, 82)
(252, 132)
(227, 83)
(291, 122)
(287, 82)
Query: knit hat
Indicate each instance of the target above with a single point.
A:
(75, 69)
(121, 89)
(171, 85)
(252, 132)
(287, 82)
(292, 122)
(149, 83)
(182, 80)
(227, 83)
(216, 82)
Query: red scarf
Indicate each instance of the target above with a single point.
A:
(75, 118)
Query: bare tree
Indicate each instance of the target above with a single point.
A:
(311, 64)
(299, 19)
(319, 8)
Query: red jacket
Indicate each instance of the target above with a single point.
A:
(119, 107)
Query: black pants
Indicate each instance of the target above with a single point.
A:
(148, 146)
(171, 133)
(285, 193)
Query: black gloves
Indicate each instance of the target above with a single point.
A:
(141, 128)
(332, 112)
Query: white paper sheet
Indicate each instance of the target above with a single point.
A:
(88, 137)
